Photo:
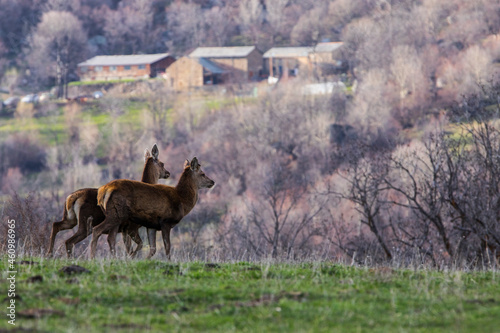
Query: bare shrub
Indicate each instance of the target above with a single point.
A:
(32, 234)
(371, 111)
(283, 218)
(23, 152)
(72, 113)
(11, 181)
(156, 115)
(410, 83)
(366, 190)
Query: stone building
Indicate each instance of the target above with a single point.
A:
(189, 72)
(116, 67)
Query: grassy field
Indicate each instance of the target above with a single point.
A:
(52, 129)
(158, 296)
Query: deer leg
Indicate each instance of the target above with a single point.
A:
(97, 231)
(84, 229)
(152, 242)
(165, 233)
(133, 233)
(112, 239)
(56, 227)
(127, 241)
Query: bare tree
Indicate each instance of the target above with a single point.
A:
(56, 47)
(129, 29)
(17, 19)
(250, 17)
(473, 180)
(476, 63)
(371, 114)
(62, 6)
(414, 178)
(411, 84)
(367, 190)
(159, 104)
(185, 22)
(220, 24)
(275, 16)
(284, 220)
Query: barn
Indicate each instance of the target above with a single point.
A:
(188, 73)
(327, 58)
(243, 62)
(287, 61)
(118, 67)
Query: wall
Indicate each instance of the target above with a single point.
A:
(161, 66)
(255, 64)
(184, 73)
(107, 74)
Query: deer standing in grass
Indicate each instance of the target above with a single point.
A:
(158, 207)
(81, 209)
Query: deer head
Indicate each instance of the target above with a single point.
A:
(200, 178)
(154, 165)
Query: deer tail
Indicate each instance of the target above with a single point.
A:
(103, 196)
(71, 207)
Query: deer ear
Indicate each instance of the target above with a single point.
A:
(195, 166)
(186, 164)
(146, 155)
(155, 151)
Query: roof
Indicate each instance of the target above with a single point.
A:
(120, 60)
(222, 52)
(211, 66)
(327, 47)
(288, 52)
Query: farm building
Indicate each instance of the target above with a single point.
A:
(124, 66)
(326, 58)
(243, 62)
(287, 61)
(325, 52)
(189, 72)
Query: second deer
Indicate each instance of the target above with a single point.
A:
(158, 207)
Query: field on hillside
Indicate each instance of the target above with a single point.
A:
(139, 296)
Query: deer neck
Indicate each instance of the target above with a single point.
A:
(148, 176)
(187, 190)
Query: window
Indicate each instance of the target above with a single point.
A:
(142, 66)
(83, 69)
(98, 68)
(112, 68)
(127, 68)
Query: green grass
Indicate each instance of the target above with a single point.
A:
(141, 295)
(52, 129)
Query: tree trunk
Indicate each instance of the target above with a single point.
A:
(59, 75)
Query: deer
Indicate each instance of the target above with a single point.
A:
(81, 209)
(158, 207)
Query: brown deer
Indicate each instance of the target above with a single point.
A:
(81, 208)
(158, 207)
